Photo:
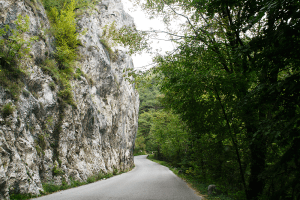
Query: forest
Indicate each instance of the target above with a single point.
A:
(224, 105)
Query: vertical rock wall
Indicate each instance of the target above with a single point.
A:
(46, 140)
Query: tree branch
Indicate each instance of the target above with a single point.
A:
(233, 141)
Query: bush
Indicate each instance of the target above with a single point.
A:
(57, 171)
(13, 50)
(50, 188)
(49, 66)
(7, 110)
(91, 179)
(22, 196)
(52, 86)
(64, 31)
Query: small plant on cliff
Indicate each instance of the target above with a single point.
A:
(64, 31)
(112, 55)
(7, 110)
(14, 50)
(59, 4)
(135, 41)
(57, 171)
(13, 46)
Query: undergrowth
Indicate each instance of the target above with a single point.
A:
(195, 183)
(51, 187)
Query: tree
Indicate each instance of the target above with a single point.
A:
(234, 77)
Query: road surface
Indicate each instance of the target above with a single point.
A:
(147, 181)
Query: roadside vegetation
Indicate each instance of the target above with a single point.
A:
(62, 65)
(191, 180)
(164, 136)
(230, 92)
(50, 188)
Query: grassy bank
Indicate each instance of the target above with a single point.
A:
(200, 188)
(50, 188)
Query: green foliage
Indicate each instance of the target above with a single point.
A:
(57, 171)
(41, 144)
(62, 16)
(91, 179)
(112, 55)
(135, 41)
(51, 188)
(14, 50)
(21, 196)
(160, 131)
(234, 81)
(64, 30)
(167, 136)
(193, 181)
(59, 4)
(49, 66)
(115, 171)
(140, 146)
(13, 46)
(52, 86)
(38, 149)
(7, 110)
(78, 74)
(148, 104)
(66, 92)
(42, 141)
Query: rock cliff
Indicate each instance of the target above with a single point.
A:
(47, 140)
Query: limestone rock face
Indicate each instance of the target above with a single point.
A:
(47, 140)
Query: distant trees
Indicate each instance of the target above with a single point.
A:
(234, 81)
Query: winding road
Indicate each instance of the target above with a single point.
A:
(147, 181)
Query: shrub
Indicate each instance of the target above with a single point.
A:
(22, 196)
(52, 86)
(50, 188)
(64, 30)
(7, 110)
(91, 179)
(57, 171)
(42, 141)
(115, 171)
(49, 66)
(78, 74)
(13, 50)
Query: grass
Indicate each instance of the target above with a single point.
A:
(7, 110)
(51, 188)
(22, 196)
(11, 80)
(112, 55)
(193, 182)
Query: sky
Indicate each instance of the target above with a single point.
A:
(142, 22)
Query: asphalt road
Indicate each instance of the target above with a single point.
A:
(147, 181)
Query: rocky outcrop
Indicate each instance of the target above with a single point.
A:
(47, 140)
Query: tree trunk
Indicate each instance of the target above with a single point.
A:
(258, 162)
